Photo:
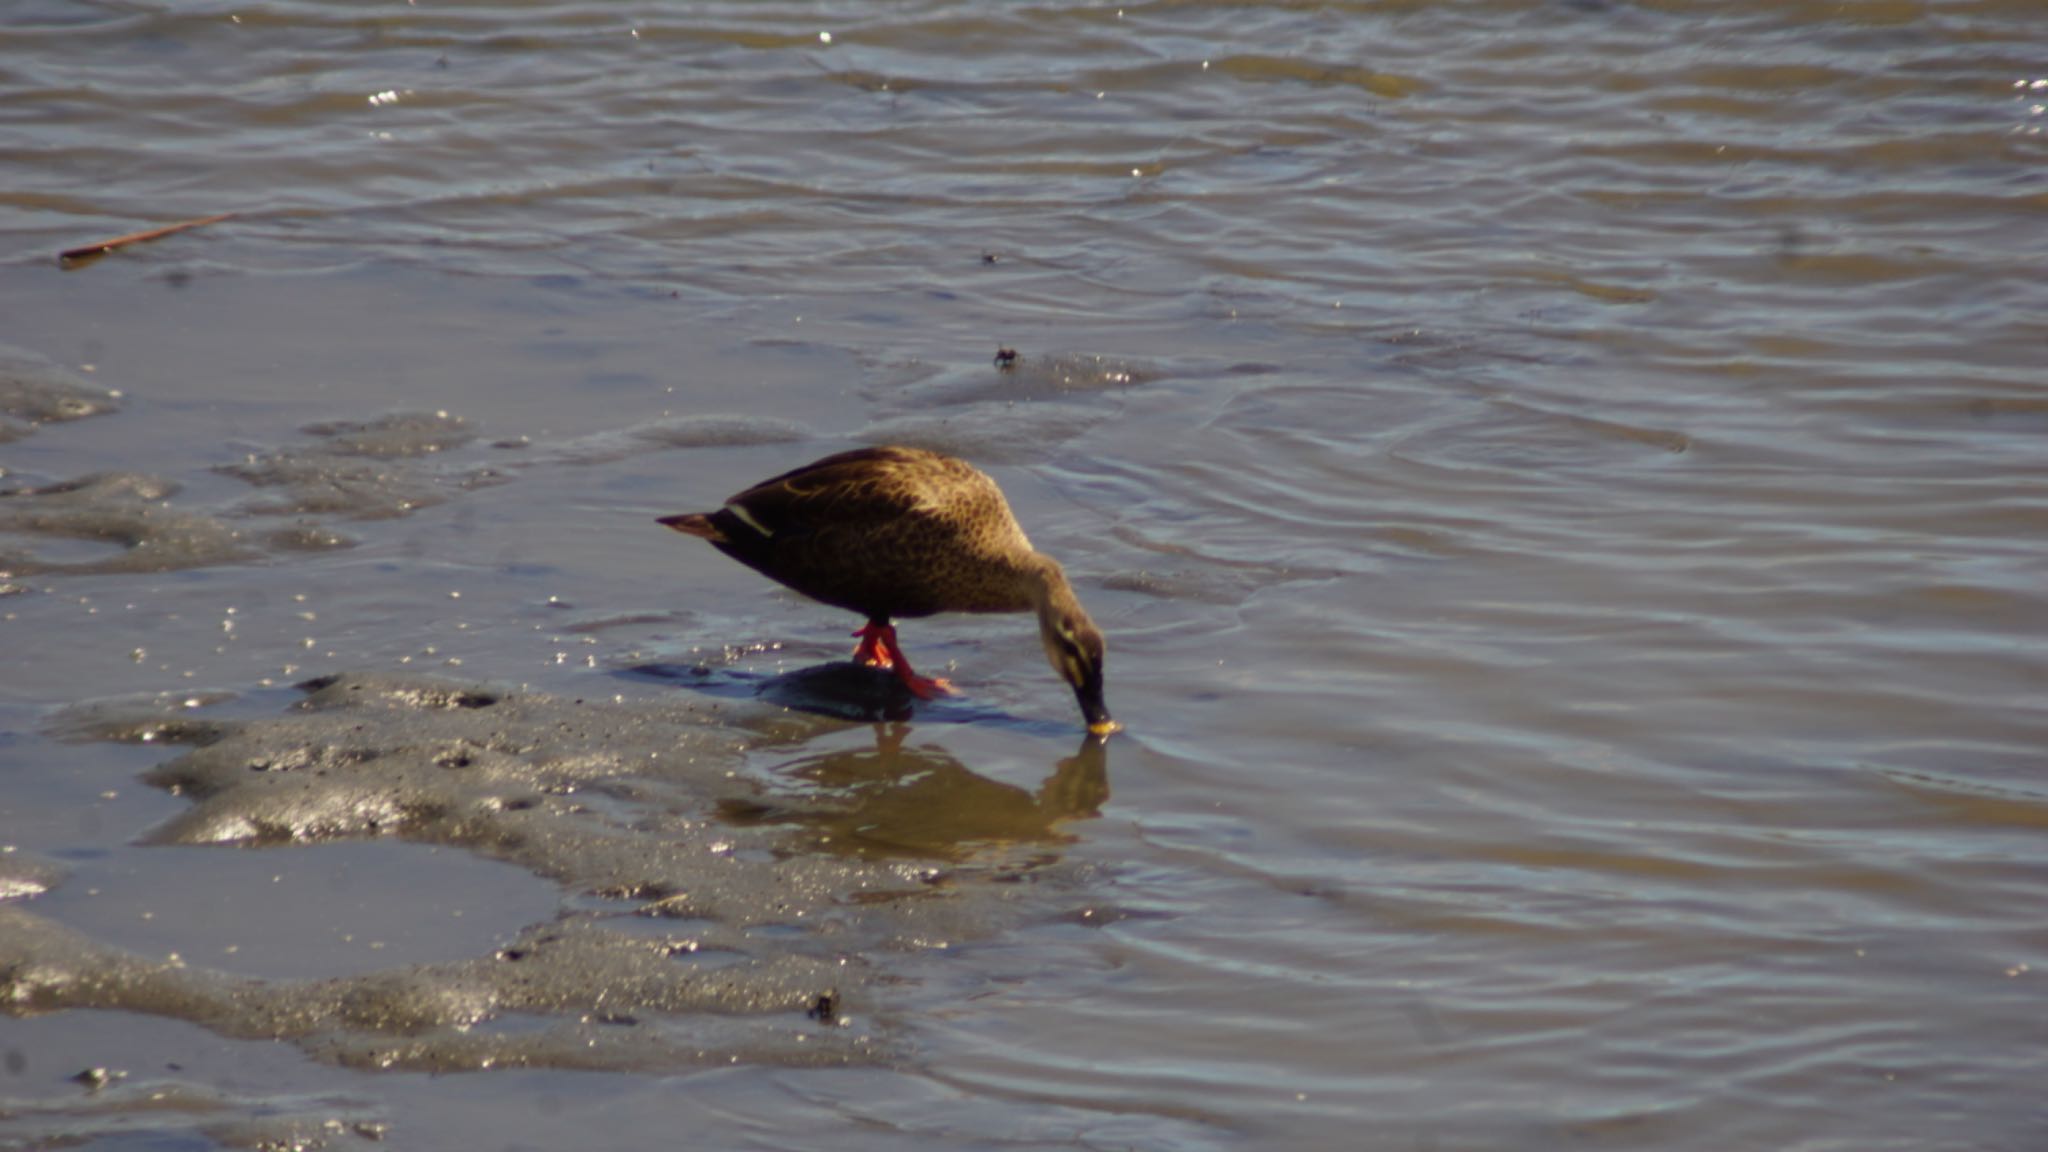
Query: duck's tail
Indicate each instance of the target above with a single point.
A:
(694, 524)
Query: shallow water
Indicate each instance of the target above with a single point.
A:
(1566, 485)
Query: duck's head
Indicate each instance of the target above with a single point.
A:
(1074, 646)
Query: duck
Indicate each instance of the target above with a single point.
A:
(893, 532)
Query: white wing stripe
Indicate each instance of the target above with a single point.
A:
(747, 518)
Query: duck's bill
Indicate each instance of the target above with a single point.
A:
(1094, 711)
(1087, 682)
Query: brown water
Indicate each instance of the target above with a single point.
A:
(1566, 485)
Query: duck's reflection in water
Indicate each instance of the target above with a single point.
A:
(898, 800)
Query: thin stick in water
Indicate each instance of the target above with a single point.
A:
(104, 246)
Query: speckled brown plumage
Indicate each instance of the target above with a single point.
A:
(889, 532)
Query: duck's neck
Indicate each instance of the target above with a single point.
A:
(1051, 596)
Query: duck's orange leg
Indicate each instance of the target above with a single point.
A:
(878, 649)
(871, 650)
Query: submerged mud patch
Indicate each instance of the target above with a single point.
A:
(128, 522)
(396, 436)
(709, 431)
(365, 470)
(690, 937)
(1011, 378)
(131, 514)
(34, 391)
(23, 876)
(991, 433)
(1011, 412)
(115, 1111)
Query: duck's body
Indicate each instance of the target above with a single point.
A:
(889, 532)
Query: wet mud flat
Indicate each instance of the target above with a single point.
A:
(707, 919)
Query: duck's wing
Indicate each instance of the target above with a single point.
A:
(884, 531)
(875, 487)
(845, 487)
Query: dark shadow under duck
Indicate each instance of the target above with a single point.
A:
(903, 532)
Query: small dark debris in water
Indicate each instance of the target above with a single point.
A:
(1791, 243)
(97, 1078)
(826, 1009)
(1006, 357)
(990, 257)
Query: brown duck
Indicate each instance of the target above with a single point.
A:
(890, 532)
